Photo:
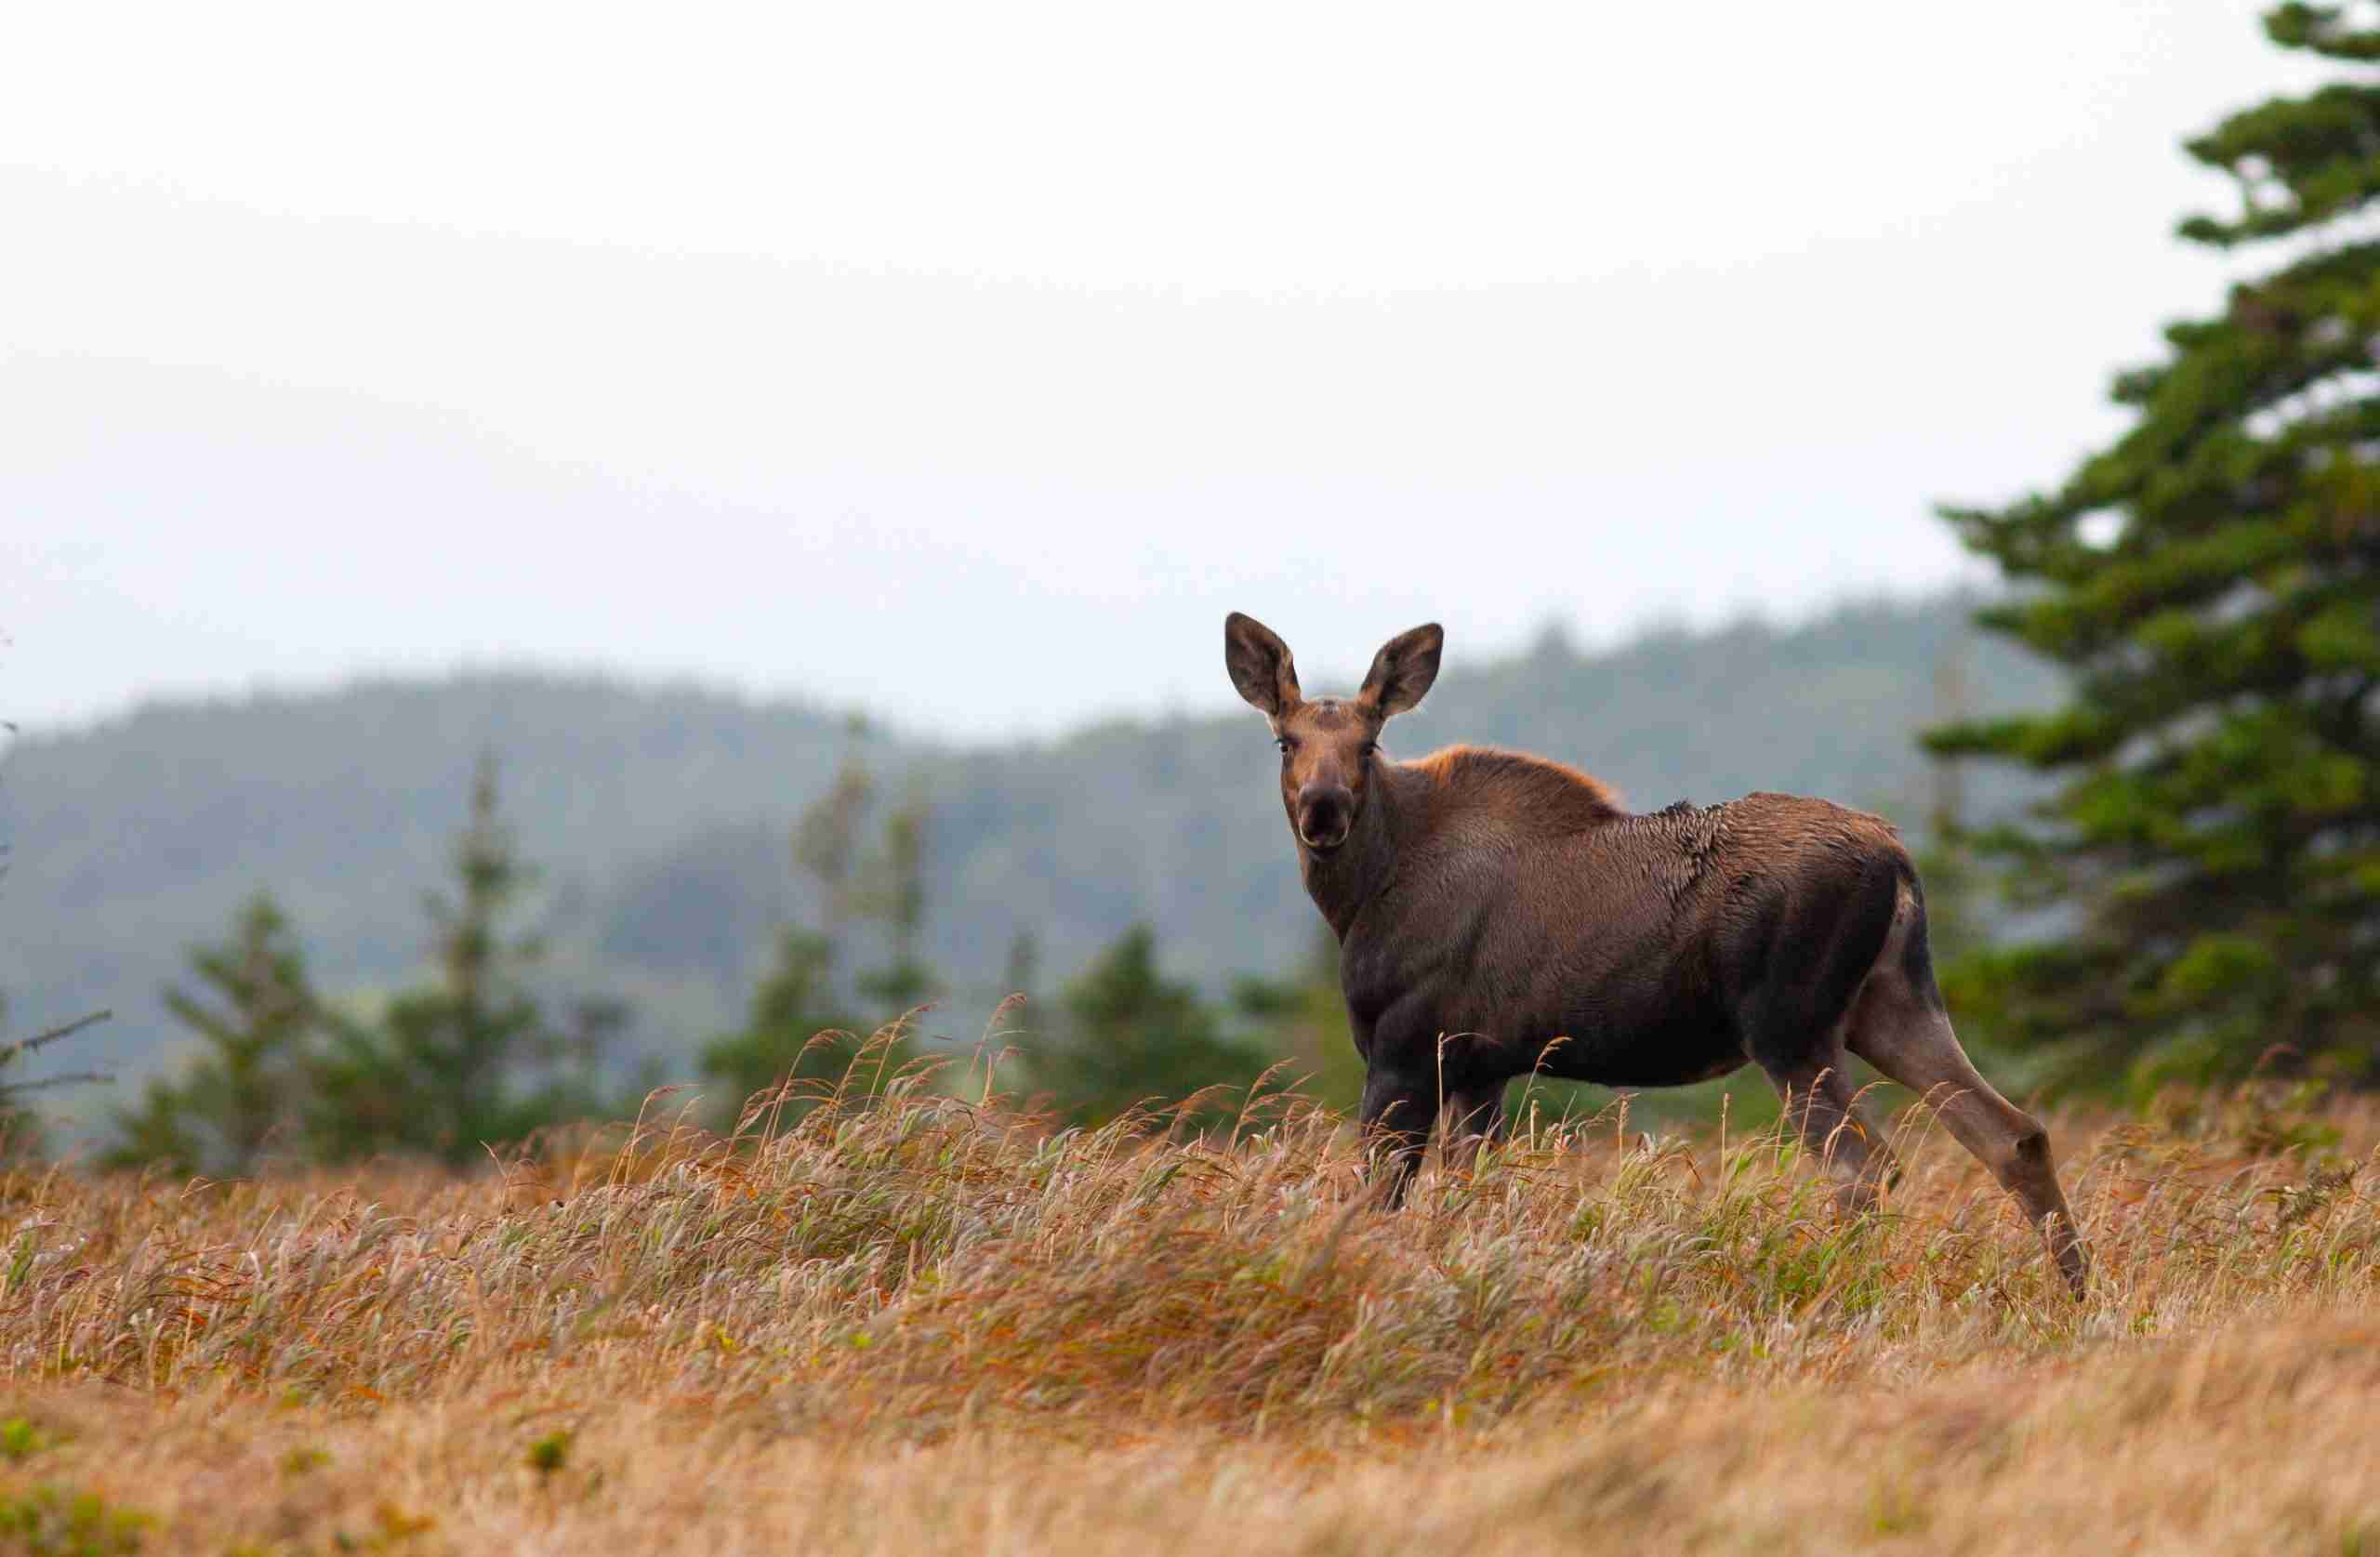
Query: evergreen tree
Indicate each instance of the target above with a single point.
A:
(247, 1090)
(896, 897)
(798, 1027)
(826, 842)
(471, 1061)
(1130, 1035)
(792, 1007)
(2213, 581)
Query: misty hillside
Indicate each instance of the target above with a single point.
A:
(659, 816)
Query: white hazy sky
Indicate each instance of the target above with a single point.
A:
(969, 362)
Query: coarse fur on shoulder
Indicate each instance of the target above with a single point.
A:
(1538, 789)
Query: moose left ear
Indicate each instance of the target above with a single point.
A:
(1403, 670)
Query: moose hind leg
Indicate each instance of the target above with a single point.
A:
(1823, 1110)
(1474, 1116)
(1908, 1036)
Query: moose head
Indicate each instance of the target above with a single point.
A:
(1328, 744)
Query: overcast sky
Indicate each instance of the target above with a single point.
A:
(969, 362)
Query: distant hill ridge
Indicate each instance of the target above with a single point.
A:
(659, 816)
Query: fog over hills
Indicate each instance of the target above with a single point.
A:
(659, 816)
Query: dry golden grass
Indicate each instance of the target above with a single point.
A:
(932, 1326)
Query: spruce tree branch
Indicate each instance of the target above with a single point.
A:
(43, 1084)
(26, 1045)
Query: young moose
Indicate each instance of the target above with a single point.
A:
(1499, 914)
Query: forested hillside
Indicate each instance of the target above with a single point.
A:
(659, 816)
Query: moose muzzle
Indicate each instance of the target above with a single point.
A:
(1324, 817)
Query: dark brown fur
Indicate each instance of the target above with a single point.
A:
(1499, 914)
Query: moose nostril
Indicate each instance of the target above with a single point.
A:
(1322, 821)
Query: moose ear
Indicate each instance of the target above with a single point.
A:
(1403, 670)
(1260, 663)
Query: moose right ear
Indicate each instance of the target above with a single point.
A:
(1260, 664)
(1403, 670)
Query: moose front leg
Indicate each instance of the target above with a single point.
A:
(1397, 1112)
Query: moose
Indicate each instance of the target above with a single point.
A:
(1499, 914)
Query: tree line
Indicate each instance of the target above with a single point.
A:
(473, 1060)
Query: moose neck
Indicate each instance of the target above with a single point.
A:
(1342, 881)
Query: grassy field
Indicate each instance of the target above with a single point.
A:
(935, 1326)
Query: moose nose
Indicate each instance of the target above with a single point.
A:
(1324, 817)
